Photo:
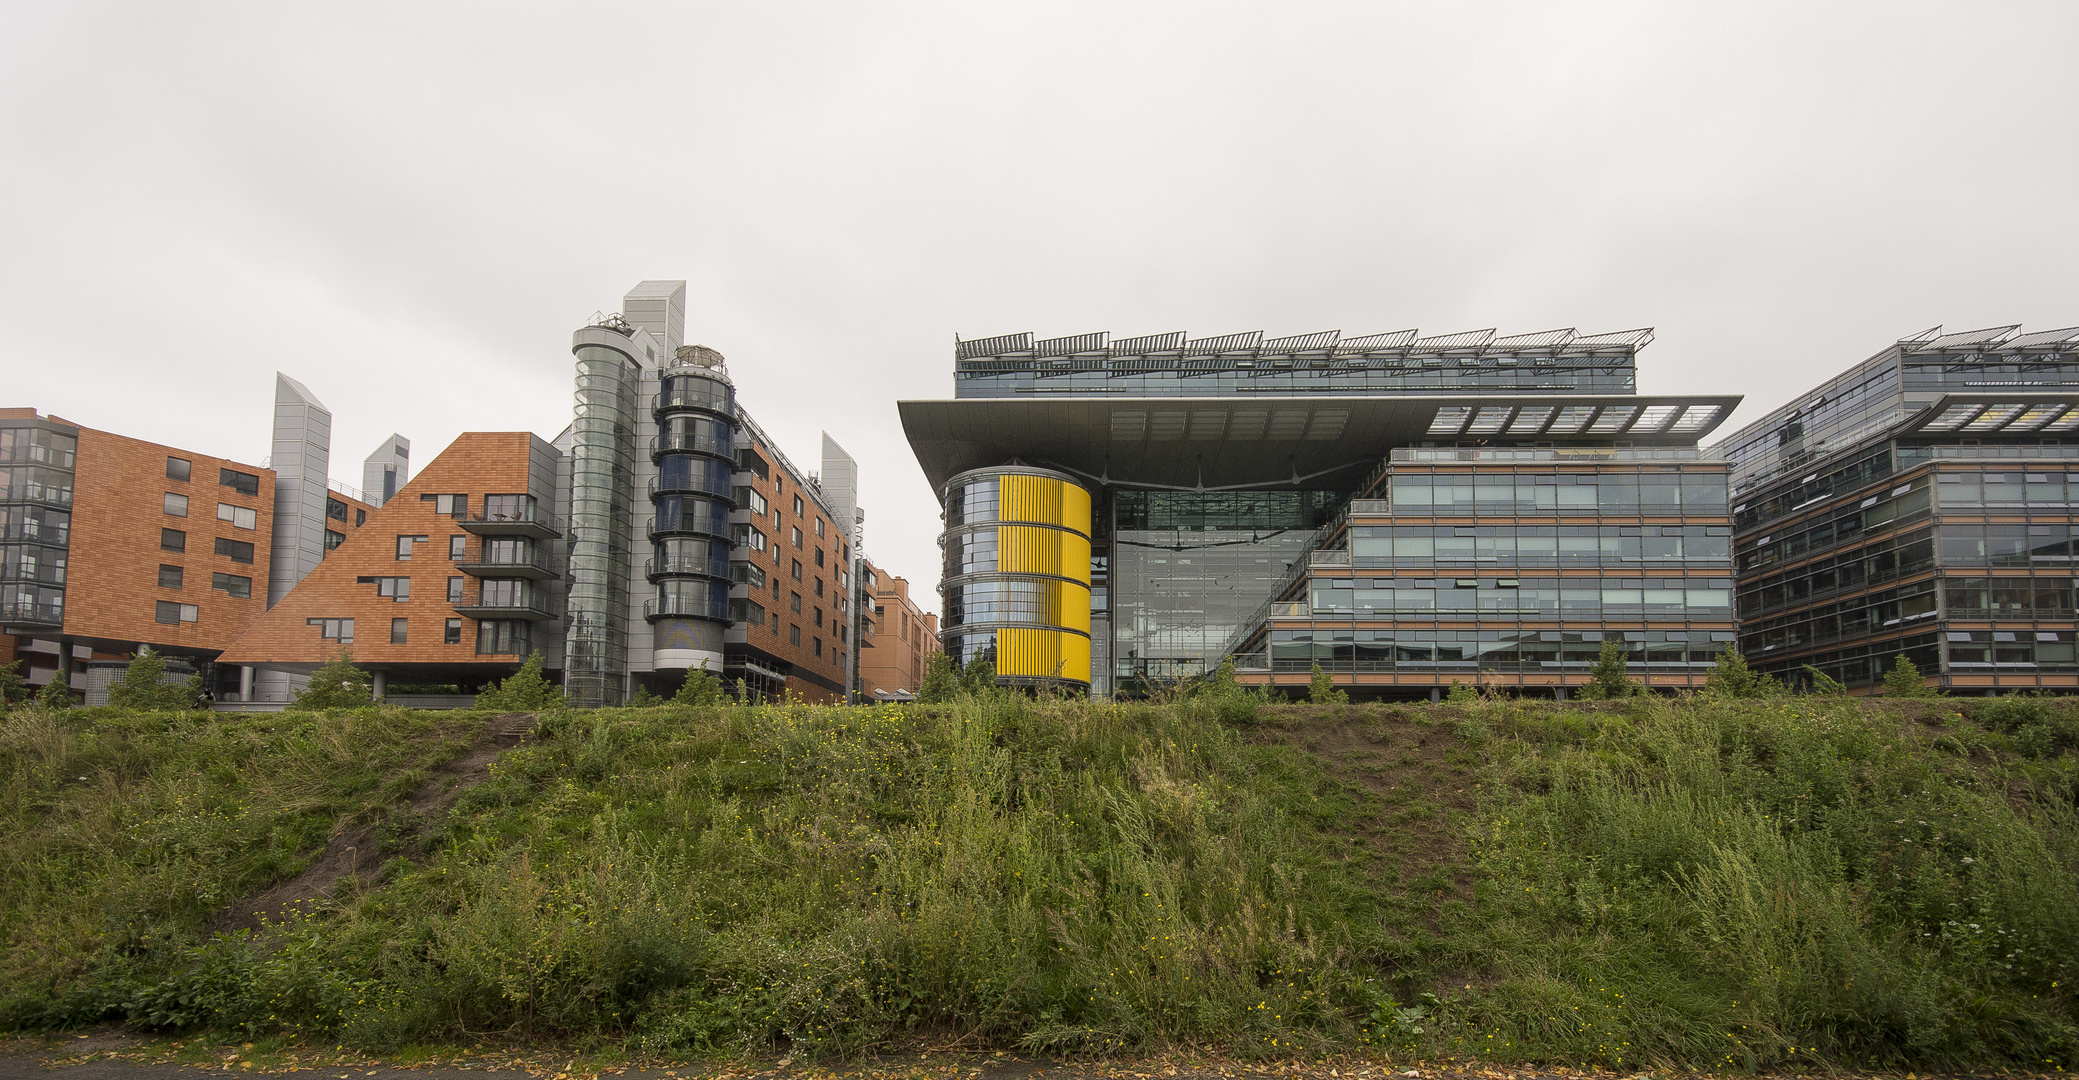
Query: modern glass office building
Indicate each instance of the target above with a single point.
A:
(1406, 511)
(1922, 504)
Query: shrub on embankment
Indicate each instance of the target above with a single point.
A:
(1743, 883)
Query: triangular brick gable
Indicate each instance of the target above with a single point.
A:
(475, 464)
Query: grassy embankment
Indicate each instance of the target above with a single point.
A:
(1714, 884)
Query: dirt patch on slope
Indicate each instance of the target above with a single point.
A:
(354, 851)
(1415, 785)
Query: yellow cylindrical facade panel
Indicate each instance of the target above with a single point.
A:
(1033, 605)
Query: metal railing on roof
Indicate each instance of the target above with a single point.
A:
(1565, 341)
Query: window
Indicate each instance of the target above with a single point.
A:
(333, 539)
(397, 631)
(819, 645)
(819, 556)
(169, 576)
(176, 505)
(241, 587)
(819, 586)
(454, 506)
(235, 550)
(172, 540)
(819, 527)
(451, 632)
(244, 483)
(509, 508)
(501, 637)
(798, 507)
(396, 588)
(744, 573)
(797, 569)
(793, 635)
(458, 546)
(240, 517)
(360, 518)
(794, 604)
(335, 509)
(339, 630)
(753, 499)
(796, 532)
(166, 611)
(819, 618)
(404, 546)
(178, 469)
(454, 590)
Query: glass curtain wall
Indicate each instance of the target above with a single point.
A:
(601, 525)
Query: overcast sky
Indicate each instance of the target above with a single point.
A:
(409, 207)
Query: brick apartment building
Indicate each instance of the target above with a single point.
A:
(892, 663)
(453, 580)
(109, 544)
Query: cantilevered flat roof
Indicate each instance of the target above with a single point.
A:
(1209, 443)
(1997, 414)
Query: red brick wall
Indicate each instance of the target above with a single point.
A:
(903, 641)
(476, 464)
(779, 490)
(112, 575)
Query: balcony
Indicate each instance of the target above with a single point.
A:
(683, 442)
(529, 608)
(685, 526)
(695, 394)
(29, 614)
(708, 568)
(534, 568)
(714, 607)
(526, 521)
(689, 486)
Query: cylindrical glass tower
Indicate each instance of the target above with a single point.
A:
(695, 454)
(602, 499)
(1017, 575)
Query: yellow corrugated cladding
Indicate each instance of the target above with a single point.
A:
(1072, 602)
(1042, 654)
(1044, 500)
(1029, 549)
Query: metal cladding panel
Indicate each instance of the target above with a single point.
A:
(1028, 549)
(1042, 654)
(1072, 600)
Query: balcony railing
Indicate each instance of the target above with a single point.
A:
(531, 608)
(715, 607)
(683, 441)
(691, 486)
(695, 394)
(711, 568)
(30, 613)
(686, 524)
(528, 521)
(535, 567)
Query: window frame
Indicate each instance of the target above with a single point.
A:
(244, 483)
(227, 547)
(174, 499)
(240, 517)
